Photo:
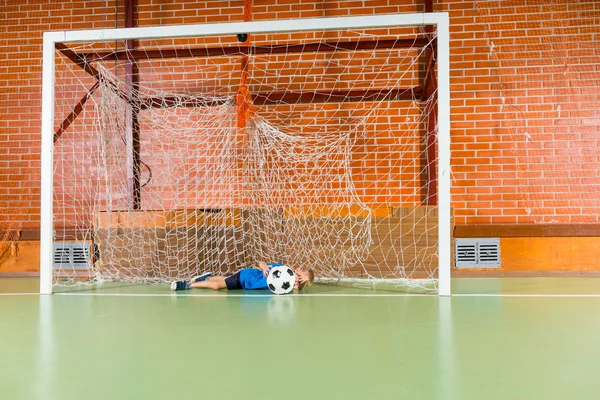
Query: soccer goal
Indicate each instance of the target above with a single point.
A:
(173, 150)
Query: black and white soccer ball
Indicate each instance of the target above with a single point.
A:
(281, 279)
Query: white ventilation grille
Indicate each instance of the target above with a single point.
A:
(477, 253)
(72, 255)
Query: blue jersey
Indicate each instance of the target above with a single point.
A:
(251, 278)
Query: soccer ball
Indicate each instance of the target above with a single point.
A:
(281, 279)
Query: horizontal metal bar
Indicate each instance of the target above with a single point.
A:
(320, 47)
(337, 96)
(287, 97)
(294, 25)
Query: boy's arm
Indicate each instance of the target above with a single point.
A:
(264, 267)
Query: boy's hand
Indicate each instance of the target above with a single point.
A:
(264, 267)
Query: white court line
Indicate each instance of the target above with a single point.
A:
(558, 295)
(248, 295)
(591, 295)
(524, 295)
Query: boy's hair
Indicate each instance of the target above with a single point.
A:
(311, 279)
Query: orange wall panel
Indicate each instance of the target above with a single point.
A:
(550, 254)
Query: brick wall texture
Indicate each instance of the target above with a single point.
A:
(525, 96)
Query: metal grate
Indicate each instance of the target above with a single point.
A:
(477, 253)
(72, 255)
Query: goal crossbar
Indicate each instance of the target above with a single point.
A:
(233, 28)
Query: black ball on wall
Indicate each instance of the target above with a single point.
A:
(242, 37)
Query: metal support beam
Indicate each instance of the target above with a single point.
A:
(75, 113)
(78, 59)
(243, 97)
(430, 92)
(428, 6)
(132, 134)
(318, 47)
(431, 141)
(82, 63)
(338, 96)
(275, 98)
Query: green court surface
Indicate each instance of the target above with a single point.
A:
(503, 338)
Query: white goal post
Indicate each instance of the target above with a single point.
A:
(439, 20)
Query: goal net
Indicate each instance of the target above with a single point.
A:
(175, 156)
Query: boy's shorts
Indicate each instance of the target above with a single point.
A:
(233, 282)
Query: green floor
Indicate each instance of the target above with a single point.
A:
(334, 344)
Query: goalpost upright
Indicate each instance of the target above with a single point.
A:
(440, 20)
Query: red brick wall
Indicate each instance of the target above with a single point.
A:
(21, 27)
(516, 156)
(525, 86)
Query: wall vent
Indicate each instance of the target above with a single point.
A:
(72, 255)
(477, 253)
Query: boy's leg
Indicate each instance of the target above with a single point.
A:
(202, 277)
(214, 282)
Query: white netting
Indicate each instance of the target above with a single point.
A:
(316, 154)
(10, 233)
